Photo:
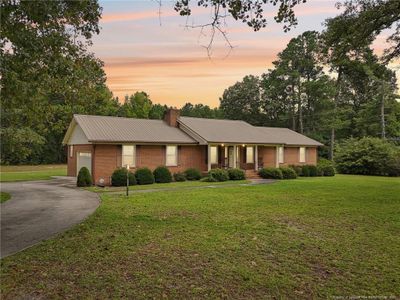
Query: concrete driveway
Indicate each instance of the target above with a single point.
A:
(38, 210)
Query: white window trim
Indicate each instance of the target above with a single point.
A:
(176, 156)
(252, 151)
(134, 156)
(281, 154)
(71, 150)
(300, 156)
(216, 155)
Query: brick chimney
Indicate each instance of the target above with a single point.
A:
(171, 116)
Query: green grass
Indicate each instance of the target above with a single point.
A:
(306, 238)
(171, 185)
(24, 173)
(4, 197)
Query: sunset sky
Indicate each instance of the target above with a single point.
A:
(168, 60)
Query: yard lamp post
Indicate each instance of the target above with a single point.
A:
(127, 180)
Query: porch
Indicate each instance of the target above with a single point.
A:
(243, 156)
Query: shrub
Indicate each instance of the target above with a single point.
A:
(208, 179)
(288, 173)
(162, 175)
(236, 174)
(328, 170)
(309, 171)
(144, 176)
(219, 174)
(192, 174)
(179, 176)
(320, 170)
(271, 173)
(297, 169)
(118, 177)
(367, 156)
(84, 178)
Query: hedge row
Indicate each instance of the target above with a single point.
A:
(323, 168)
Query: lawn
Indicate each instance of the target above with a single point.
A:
(171, 185)
(4, 197)
(39, 172)
(306, 238)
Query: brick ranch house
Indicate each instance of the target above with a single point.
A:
(103, 144)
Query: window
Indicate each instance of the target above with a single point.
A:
(128, 155)
(249, 155)
(281, 155)
(71, 151)
(171, 158)
(214, 154)
(302, 153)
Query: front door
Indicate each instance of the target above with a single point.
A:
(84, 159)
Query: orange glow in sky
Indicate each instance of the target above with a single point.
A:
(156, 53)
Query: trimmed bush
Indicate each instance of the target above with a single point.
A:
(84, 178)
(236, 174)
(309, 171)
(162, 175)
(328, 170)
(320, 170)
(192, 174)
(297, 169)
(288, 173)
(208, 179)
(270, 173)
(118, 177)
(219, 174)
(368, 156)
(144, 176)
(179, 176)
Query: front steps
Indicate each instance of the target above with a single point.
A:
(251, 174)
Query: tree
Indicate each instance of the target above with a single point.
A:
(243, 101)
(47, 74)
(137, 105)
(200, 111)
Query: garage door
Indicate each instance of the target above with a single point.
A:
(84, 160)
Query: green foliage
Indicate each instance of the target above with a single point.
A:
(137, 105)
(144, 176)
(162, 175)
(297, 168)
(288, 173)
(84, 178)
(309, 171)
(236, 174)
(219, 174)
(201, 111)
(118, 177)
(367, 156)
(271, 173)
(179, 176)
(325, 168)
(192, 174)
(209, 179)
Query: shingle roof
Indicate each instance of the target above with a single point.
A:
(224, 131)
(288, 137)
(116, 129)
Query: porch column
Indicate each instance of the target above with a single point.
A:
(208, 157)
(277, 157)
(234, 156)
(256, 157)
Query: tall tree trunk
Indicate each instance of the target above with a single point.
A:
(383, 125)
(300, 107)
(293, 109)
(333, 128)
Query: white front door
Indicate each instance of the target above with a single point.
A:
(84, 159)
(231, 163)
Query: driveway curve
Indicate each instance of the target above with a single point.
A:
(39, 210)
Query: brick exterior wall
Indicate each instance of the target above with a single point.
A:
(266, 156)
(171, 117)
(106, 158)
